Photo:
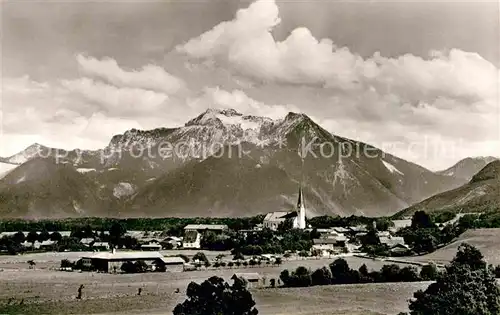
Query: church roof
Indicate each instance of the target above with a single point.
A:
(277, 215)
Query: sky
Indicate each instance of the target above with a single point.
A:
(417, 79)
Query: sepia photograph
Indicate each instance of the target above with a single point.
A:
(250, 157)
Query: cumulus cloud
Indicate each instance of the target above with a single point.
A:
(378, 99)
(247, 45)
(219, 98)
(118, 101)
(150, 77)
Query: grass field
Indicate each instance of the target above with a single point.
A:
(486, 240)
(45, 290)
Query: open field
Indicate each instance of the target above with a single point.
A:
(486, 240)
(45, 290)
(54, 292)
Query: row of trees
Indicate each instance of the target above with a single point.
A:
(339, 272)
(467, 287)
(172, 226)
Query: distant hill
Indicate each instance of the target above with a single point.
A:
(220, 163)
(468, 167)
(481, 193)
(487, 240)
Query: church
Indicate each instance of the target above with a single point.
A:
(273, 219)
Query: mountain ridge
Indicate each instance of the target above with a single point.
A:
(481, 193)
(254, 162)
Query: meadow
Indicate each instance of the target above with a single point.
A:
(45, 289)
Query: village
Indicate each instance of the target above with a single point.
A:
(142, 251)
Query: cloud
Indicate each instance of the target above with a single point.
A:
(118, 101)
(150, 77)
(246, 44)
(401, 100)
(239, 101)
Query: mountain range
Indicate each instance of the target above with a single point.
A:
(220, 163)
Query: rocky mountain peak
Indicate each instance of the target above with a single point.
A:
(27, 154)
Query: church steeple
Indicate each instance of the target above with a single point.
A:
(301, 211)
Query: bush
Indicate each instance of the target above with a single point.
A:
(429, 272)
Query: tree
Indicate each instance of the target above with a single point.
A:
(321, 276)
(215, 296)
(470, 256)
(341, 273)
(43, 236)
(390, 273)
(364, 275)
(429, 272)
(19, 237)
(421, 220)
(55, 236)
(466, 287)
(409, 274)
(383, 224)
(32, 237)
(116, 232)
(302, 277)
(285, 226)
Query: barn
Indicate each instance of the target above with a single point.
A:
(112, 261)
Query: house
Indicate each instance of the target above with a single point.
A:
(330, 244)
(47, 245)
(396, 245)
(192, 233)
(341, 230)
(87, 241)
(252, 279)
(100, 246)
(400, 224)
(113, 261)
(400, 250)
(383, 234)
(355, 230)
